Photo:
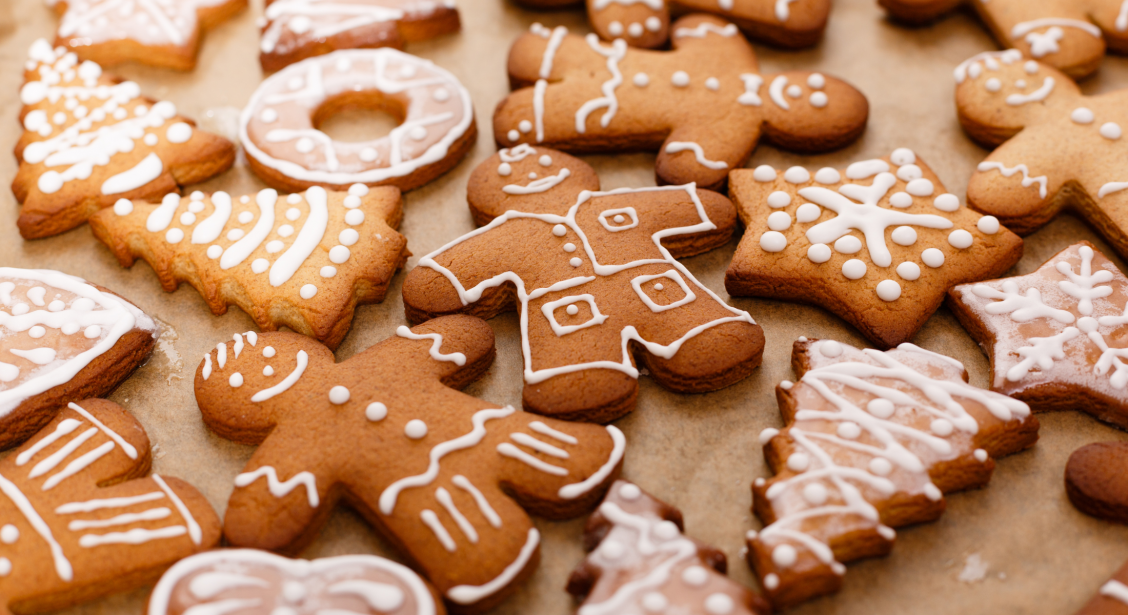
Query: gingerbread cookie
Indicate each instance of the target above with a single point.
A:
(1069, 35)
(284, 147)
(1112, 598)
(873, 441)
(703, 106)
(1022, 106)
(613, 293)
(1096, 483)
(918, 242)
(294, 30)
(640, 562)
(260, 583)
(304, 261)
(68, 536)
(62, 339)
(1053, 336)
(161, 33)
(446, 477)
(90, 139)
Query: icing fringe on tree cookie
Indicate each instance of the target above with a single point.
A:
(873, 440)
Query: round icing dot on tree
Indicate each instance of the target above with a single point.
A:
(680, 79)
(575, 262)
(888, 290)
(236, 380)
(376, 411)
(827, 175)
(815, 494)
(797, 175)
(794, 91)
(854, 269)
(830, 349)
(819, 100)
(246, 217)
(268, 371)
(9, 534)
(235, 234)
(946, 202)
(909, 172)
(1110, 130)
(123, 207)
(808, 212)
(328, 271)
(1087, 324)
(901, 200)
(174, 235)
(641, 80)
(504, 169)
(784, 556)
(880, 466)
(719, 604)
(348, 237)
(904, 235)
(816, 81)
(275, 246)
(941, 427)
(920, 187)
(881, 408)
(339, 254)
(1082, 115)
(695, 576)
(908, 271)
(849, 430)
(612, 549)
(988, 225)
(630, 492)
(932, 257)
(779, 199)
(415, 429)
(819, 253)
(712, 83)
(960, 238)
(308, 291)
(902, 156)
(773, 241)
(358, 190)
(339, 395)
(260, 265)
(779, 221)
(848, 244)
(993, 85)
(764, 173)
(798, 462)
(354, 217)
(559, 230)
(654, 602)
(572, 310)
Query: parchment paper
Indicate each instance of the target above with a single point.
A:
(1016, 547)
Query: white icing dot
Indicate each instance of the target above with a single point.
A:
(630, 492)
(815, 494)
(808, 212)
(960, 239)
(1110, 130)
(854, 269)
(641, 80)
(1021, 83)
(545, 160)
(151, 139)
(908, 271)
(635, 30)
(354, 217)
(881, 408)
(260, 265)
(888, 290)
(819, 253)
(513, 135)
(9, 534)
(123, 207)
(504, 169)
(441, 94)
(764, 173)
(415, 429)
(269, 116)
(932, 493)
(376, 411)
(179, 133)
(932, 257)
(819, 100)
(904, 235)
(902, 156)
(525, 126)
(612, 549)
(786, 385)
(294, 213)
(909, 172)
(619, 219)
(236, 380)
(653, 24)
(339, 395)
(56, 306)
(941, 427)
(615, 28)
(784, 556)
(575, 261)
(1031, 67)
(773, 241)
(666, 530)
(849, 430)
(771, 581)
(92, 331)
(328, 271)
(308, 291)
(419, 133)
(827, 175)
(268, 352)
(816, 81)
(880, 466)
(946, 202)
(358, 190)
(20, 308)
(712, 83)
(779, 199)
(246, 217)
(993, 85)
(286, 230)
(273, 247)
(70, 328)
(980, 455)
(304, 145)
(920, 187)
(294, 199)
(559, 230)
(901, 200)
(572, 310)
(368, 154)
(339, 254)
(37, 332)
(830, 349)
(348, 237)
(798, 462)
(1082, 115)
(719, 604)
(779, 221)
(695, 576)
(988, 225)
(569, 247)
(794, 91)
(174, 235)
(848, 244)
(268, 371)
(797, 175)
(680, 79)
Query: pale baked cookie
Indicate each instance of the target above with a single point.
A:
(82, 518)
(1056, 148)
(873, 440)
(284, 147)
(703, 106)
(62, 339)
(261, 583)
(878, 243)
(1112, 598)
(640, 562)
(1069, 35)
(90, 139)
(164, 33)
(294, 30)
(595, 278)
(1054, 336)
(446, 477)
(304, 261)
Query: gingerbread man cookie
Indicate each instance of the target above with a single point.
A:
(1021, 107)
(1053, 336)
(446, 477)
(1112, 598)
(90, 139)
(68, 536)
(595, 279)
(1069, 35)
(703, 106)
(304, 261)
(158, 33)
(279, 126)
(640, 562)
(298, 29)
(873, 441)
(918, 242)
(260, 583)
(62, 339)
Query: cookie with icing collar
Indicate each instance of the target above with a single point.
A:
(304, 261)
(90, 139)
(703, 106)
(449, 479)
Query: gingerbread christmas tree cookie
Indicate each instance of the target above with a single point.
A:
(90, 139)
(304, 261)
(1054, 336)
(446, 477)
(878, 243)
(703, 106)
(873, 440)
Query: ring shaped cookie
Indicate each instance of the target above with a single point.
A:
(278, 128)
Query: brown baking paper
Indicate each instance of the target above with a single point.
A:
(1017, 546)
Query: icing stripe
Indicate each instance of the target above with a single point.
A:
(194, 530)
(65, 427)
(132, 537)
(91, 505)
(443, 496)
(508, 450)
(278, 488)
(125, 446)
(265, 394)
(573, 491)
(541, 428)
(488, 512)
(78, 465)
(123, 519)
(240, 250)
(431, 520)
(469, 594)
(62, 564)
(209, 230)
(308, 239)
(457, 358)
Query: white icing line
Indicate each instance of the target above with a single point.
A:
(444, 498)
(1027, 180)
(65, 427)
(775, 92)
(78, 465)
(125, 446)
(488, 512)
(1037, 95)
(91, 505)
(614, 55)
(508, 450)
(62, 565)
(680, 146)
(152, 514)
(431, 520)
(541, 428)
(543, 184)
(469, 594)
(287, 382)
(135, 536)
(573, 491)
(194, 530)
(1023, 28)
(277, 487)
(457, 358)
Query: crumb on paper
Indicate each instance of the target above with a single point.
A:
(157, 452)
(974, 570)
(165, 344)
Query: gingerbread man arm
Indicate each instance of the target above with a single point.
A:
(1022, 186)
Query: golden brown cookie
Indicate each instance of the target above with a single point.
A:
(1112, 598)
(873, 440)
(304, 261)
(446, 477)
(90, 139)
(703, 106)
(62, 339)
(899, 242)
(83, 519)
(595, 279)
(294, 30)
(164, 33)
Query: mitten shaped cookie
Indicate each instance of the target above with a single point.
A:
(899, 242)
(703, 106)
(595, 279)
(298, 29)
(304, 261)
(1054, 336)
(90, 139)
(260, 583)
(1069, 35)
(165, 34)
(68, 535)
(640, 562)
(1057, 149)
(1112, 599)
(873, 440)
(446, 477)
(62, 339)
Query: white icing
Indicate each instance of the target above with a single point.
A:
(614, 54)
(278, 488)
(1037, 95)
(674, 147)
(436, 347)
(1027, 180)
(287, 382)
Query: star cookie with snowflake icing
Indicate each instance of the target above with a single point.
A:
(873, 440)
(1070, 35)
(163, 33)
(1054, 336)
(877, 244)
